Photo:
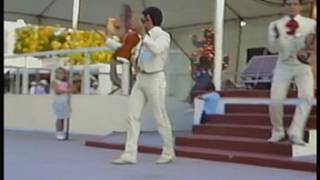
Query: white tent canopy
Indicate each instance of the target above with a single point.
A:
(178, 13)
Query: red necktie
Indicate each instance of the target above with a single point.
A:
(293, 26)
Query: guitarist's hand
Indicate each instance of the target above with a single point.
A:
(303, 56)
(137, 25)
(114, 27)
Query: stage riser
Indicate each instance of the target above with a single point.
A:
(238, 136)
(242, 146)
(304, 166)
(253, 132)
(247, 93)
(249, 119)
(263, 109)
(227, 156)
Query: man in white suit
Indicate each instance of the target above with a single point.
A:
(150, 86)
(286, 36)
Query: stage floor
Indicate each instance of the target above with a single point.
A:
(38, 156)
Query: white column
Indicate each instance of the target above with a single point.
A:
(86, 75)
(11, 89)
(105, 84)
(75, 13)
(52, 77)
(25, 78)
(218, 25)
(25, 81)
(17, 86)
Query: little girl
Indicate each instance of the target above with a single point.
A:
(61, 103)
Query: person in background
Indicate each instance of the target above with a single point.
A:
(287, 36)
(40, 89)
(77, 83)
(33, 87)
(61, 103)
(44, 85)
(94, 88)
(211, 101)
(202, 77)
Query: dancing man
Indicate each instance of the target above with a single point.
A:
(150, 86)
(287, 37)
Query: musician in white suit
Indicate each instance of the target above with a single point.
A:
(150, 86)
(287, 36)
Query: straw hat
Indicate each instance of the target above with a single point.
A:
(43, 82)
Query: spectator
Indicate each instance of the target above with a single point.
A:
(211, 101)
(40, 89)
(33, 87)
(94, 89)
(61, 103)
(202, 77)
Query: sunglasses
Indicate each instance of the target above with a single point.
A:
(143, 20)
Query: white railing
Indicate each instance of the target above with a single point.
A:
(58, 52)
(86, 76)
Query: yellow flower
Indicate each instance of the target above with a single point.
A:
(55, 45)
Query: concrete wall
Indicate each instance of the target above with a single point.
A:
(95, 114)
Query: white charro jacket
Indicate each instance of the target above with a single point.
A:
(154, 50)
(288, 45)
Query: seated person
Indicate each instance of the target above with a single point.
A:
(202, 77)
(211, 101)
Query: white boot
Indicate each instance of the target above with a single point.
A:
(276, 136)
(60, 135)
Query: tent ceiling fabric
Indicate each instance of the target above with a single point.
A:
(177, 12)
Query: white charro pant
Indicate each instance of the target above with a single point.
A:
(303, 78)
(151, 88)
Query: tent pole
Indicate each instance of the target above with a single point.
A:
(75, 13)
(218, 42)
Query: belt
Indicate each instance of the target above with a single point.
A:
(144, 72)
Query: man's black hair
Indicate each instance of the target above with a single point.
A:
(155, 15)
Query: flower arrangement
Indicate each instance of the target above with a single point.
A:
(205, 50)
(45, 38)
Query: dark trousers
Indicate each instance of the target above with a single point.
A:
(204, 117)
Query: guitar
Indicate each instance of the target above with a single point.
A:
(304, 54)
(129, 38)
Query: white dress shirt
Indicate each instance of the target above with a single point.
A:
(288, 45)
(155, 50)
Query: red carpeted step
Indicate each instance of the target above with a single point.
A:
(103, 144)
(252, 93)
(260, 108)
(254, 119)
(245, 158)
(236, 144)
(253, 131)
(259, 159)
(245, 93)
